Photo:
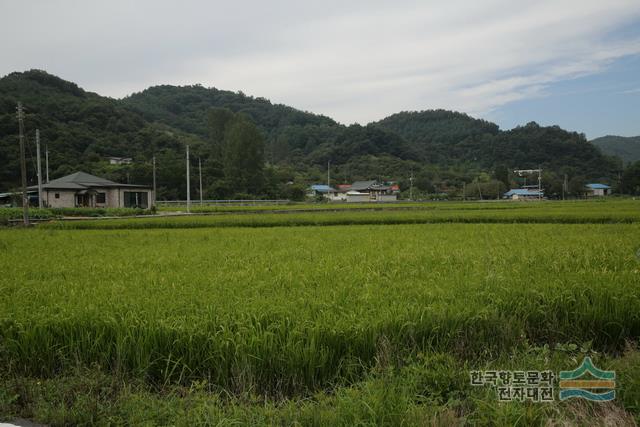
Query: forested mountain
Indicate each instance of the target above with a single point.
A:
(186, 108)
(446, 137)
(442, 149)
(627, 148)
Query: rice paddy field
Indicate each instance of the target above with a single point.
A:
(350, 316)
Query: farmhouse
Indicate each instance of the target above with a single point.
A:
(371, 191)
(359, 191)
(81, 189)
(523, 194)
(597, 190)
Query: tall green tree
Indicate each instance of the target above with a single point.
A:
(631, 179)
(217, 121)
(243, 157)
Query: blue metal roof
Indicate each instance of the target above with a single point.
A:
(322, 188)
(598, 186)
(523, 192)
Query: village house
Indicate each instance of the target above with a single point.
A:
(371, 191)
(120, 160)
(323, 190)
(81, 189)
(359, 191)
(523, 194)
(597, 190)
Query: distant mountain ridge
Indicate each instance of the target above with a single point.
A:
(443, 148)
(627, 148)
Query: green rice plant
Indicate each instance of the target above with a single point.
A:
(588, 212)
(292, 310)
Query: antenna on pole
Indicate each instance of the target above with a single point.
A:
(200, 173)
(40, 201)
(153, 162)
(188, 184)
(23, 167)
(525, 172)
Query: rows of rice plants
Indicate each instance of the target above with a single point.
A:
(8, 214)
(586, 212)
(286, 311)
(333, 206)
(444, 205)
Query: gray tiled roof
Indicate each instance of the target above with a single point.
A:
(81, 181)
(362, 185)
(83, 178)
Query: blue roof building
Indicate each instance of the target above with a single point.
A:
(597, 190)
(598, 186)
(322, 189)
(523, 193)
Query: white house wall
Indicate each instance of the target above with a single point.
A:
(114, 200)
(67, 199)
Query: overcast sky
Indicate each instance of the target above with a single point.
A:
(575, 63)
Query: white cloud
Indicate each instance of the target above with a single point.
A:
(358, 61)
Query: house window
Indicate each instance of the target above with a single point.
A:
(57, 195)
(101, 198)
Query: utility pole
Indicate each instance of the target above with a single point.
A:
(188, 184)
(464, 191)
(328, 174)
(46, 160)
(411, 186)
(200, 173)
(565, 187)
(40, 201)
(539, 183)
(153, 162)
(479, 191)
(23, 167)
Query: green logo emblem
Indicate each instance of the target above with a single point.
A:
(599, 388)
